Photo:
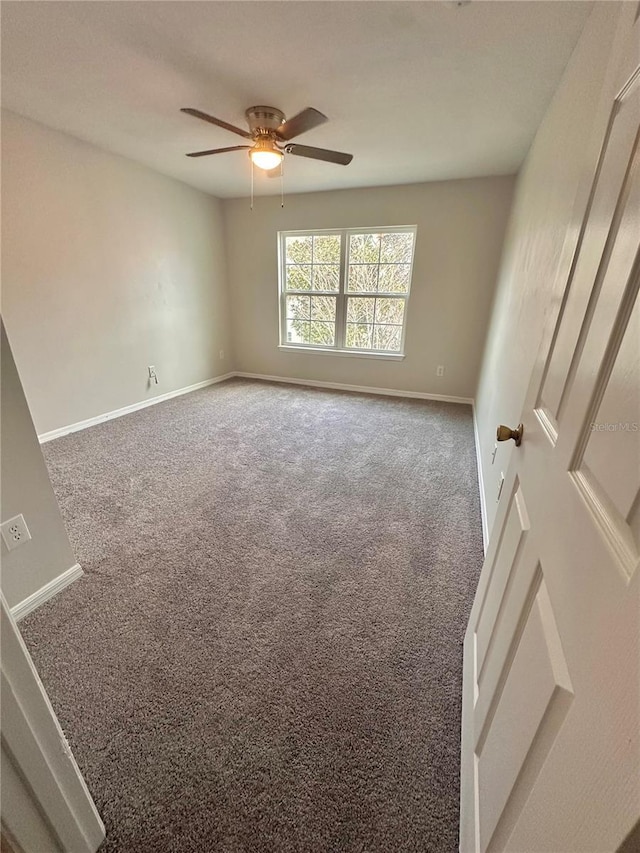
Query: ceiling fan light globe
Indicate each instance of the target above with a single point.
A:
(266, 160)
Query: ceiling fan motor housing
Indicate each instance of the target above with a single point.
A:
(264, 118)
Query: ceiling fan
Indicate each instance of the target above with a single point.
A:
(270, 132)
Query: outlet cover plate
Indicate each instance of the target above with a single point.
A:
(15, 532)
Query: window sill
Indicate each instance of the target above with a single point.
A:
(381, 356)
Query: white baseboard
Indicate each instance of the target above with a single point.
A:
(483, 497)
(312, 383)
(19, 611)
(336, 386)
(125, 410)
(359, 389)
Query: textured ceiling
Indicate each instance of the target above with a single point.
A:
(417, 91)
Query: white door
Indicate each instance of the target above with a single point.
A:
(551, 696)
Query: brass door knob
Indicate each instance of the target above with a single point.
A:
(504, 433)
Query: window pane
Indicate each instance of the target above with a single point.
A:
(322, 334)
(298, 278)
(390, 311)
(387, 337)
(375, 285)
(297, 332)
(394, 278)
(396, 248)
(326, 277)
(364, 248)
(359, 336)
(323, 308)
(298, 250)
(363, 278)
(360, 309)
(326, 249)
(298, 307)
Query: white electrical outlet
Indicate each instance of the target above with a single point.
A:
(15, 532)
(153, 376)
(440, 370)
(221, 355)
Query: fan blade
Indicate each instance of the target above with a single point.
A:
(319, 154)
(218, 150)
(301, 123)
(217, 121)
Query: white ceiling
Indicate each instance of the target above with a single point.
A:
(416, 91)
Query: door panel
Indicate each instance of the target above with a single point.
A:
(536, 697)
(609, 470)
(608, 201)
(514, 534)
(612, 463)
(515, 609)
(603, 413)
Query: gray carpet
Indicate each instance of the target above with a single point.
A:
(265, 653)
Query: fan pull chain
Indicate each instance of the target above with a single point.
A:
(282, 182)
(251, 183)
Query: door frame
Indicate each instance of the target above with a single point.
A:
(34, 743)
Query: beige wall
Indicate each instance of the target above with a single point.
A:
(461, 227)
(566, 147)
(26, 489)
(107, 267)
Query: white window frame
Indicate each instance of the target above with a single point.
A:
(341, 295)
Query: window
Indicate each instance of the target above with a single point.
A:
(346, 290)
